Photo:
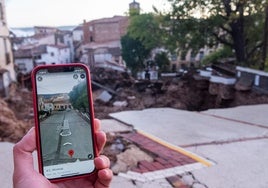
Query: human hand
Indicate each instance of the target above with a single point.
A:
(25, 176)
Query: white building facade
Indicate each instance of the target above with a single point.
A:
(54, 55)
(27, 59)
(7, 72)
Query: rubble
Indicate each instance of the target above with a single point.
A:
(16, 114)
(11, 128)
(129, 159)
(120, 103)
(115, 91)
(104, 97)
(189, 92)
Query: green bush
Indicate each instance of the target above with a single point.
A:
(217, 55)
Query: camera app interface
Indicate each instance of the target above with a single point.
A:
(64, 121)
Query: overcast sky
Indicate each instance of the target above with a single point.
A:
(28, 13)
(57, 83)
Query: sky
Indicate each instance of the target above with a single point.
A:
(29, 13)
(57, 83)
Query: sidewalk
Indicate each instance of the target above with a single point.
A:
(235, 139)
(6, 164)
(223, 147)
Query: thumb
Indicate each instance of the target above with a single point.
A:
(22, 153)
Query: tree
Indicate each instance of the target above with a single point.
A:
(78, 96)
(194, 24)
(265, 38)
(134, 53)
(144, 34)
(145, 28)
(162, 61)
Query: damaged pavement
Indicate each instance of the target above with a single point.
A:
(232, 141)
(172, 113)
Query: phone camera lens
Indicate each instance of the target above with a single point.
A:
(82, 76)
(90, 156)
(75, 76)
(39, 78)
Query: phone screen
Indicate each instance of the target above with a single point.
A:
(65, 124)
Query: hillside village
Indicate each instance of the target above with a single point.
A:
(52, 46)
(96, 43)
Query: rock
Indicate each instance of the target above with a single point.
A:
(213, 89)
(244, 84)
(104, 97)
(149, 101)
(129, 159)
(120, 103)
(131, 97)
(226, 91)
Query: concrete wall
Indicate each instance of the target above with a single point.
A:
(107, 29)
(259, 78)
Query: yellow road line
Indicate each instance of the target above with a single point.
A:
(176, 148)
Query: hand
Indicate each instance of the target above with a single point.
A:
(25, 176)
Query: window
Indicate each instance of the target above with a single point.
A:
(8, 59)
(22, 67)
(7, 54)
(1, 12)
(52, 54)
(37, 57)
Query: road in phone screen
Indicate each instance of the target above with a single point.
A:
(65, 131)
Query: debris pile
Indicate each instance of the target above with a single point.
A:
(123, 154)
(186, 92)
(11, 128)
(16, 114)
(115, 91)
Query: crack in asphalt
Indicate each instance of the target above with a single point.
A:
(230, 141)
(195, 181)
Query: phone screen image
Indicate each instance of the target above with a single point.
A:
(64, 122)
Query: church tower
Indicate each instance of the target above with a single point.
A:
(134, 7)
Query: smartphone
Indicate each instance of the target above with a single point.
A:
(64, 121)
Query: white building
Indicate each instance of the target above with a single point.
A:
(47, 46)
(24, 60)
(27, 59)
(78, 33)
(67, 40)
(53, 54)
(7, 72)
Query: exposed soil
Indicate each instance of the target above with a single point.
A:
(186, 92)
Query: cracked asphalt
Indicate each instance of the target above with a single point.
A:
(235, 140)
